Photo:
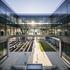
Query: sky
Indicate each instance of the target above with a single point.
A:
(34, 6)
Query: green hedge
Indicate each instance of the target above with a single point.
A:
(45, 47)
(1, 47)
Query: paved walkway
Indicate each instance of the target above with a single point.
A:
(56, 60)
(15, 58)
(40, 57)
(36, 56)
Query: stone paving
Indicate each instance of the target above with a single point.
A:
(56, 60)
(22, 58)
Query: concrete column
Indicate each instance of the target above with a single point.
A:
(60, 49)
(8, 46)
(10, 30)
(13, 30)
(5, 29)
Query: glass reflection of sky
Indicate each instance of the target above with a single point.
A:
(34, 6)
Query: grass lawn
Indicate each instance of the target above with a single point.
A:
(1, 47)
(45, 47)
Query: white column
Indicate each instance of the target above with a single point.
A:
(60, 50)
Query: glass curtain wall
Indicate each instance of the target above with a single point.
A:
(63, 29)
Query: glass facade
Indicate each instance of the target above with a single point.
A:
(3, 49)
(6, 18)
(63, 30)
(59, 27)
